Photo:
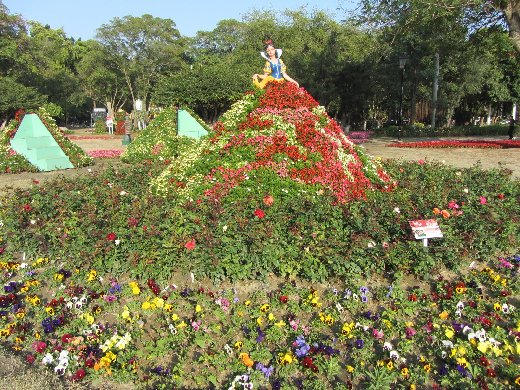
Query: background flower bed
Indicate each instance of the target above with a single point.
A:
(497, 144)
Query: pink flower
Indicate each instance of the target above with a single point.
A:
(259, 213)
(410, 332)
(483, 200)
(378, 334)
(421, 162)
(190, 245)
(453, 205)
(268, 200)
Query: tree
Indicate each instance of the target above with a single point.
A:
(477, 13)
(142, 49)
(100, 80)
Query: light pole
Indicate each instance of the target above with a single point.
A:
(403, 59)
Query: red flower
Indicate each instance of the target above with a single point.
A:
(412, 297)
(491, 373)
(190, 245)
(39, 346)
(66, 338)
(483, 200)
(111, 236)
(27, 207)
(259, 213)
(30, 359)
(284, 298)
(501, 196)
(80, 374)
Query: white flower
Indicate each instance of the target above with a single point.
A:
(173, 329)
(460, 305)
(228, 349)
(47, 359)
(371, 244)
(387, 346)
(117, 242)
(447, 344)
(123, 193)
(33, 221)
(465, 190)
(224, 228)
(59, 369)
(394, 355)
(397, 210)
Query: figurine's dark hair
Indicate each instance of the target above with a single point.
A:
(269, 42)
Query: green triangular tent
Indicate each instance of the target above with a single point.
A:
(34, 141)
(188, 126)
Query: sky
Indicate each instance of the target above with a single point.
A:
(81, 18)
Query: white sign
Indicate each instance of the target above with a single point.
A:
(424, 229)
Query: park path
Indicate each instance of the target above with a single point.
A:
(457, 157)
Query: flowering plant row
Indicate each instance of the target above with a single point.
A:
(82, 324)
(114, 153)
(490, 144)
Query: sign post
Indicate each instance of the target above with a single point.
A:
(424, 229)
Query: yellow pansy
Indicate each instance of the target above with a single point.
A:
(146, 305)
(444, 315)
(449, 333)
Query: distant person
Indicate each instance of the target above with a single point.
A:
(274, 68)
(511, 131)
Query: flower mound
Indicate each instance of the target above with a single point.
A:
(281, 130)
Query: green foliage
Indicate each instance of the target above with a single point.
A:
(158, 141)
(100, 127)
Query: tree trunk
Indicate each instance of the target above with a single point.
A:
(511, 10)
(489, 112)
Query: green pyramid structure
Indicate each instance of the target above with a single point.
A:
(34, 141)
(188, 126)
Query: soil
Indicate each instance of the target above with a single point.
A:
(457, 157)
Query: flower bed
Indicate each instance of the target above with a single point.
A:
(359, 137)
(498, 144)
(84, 324)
